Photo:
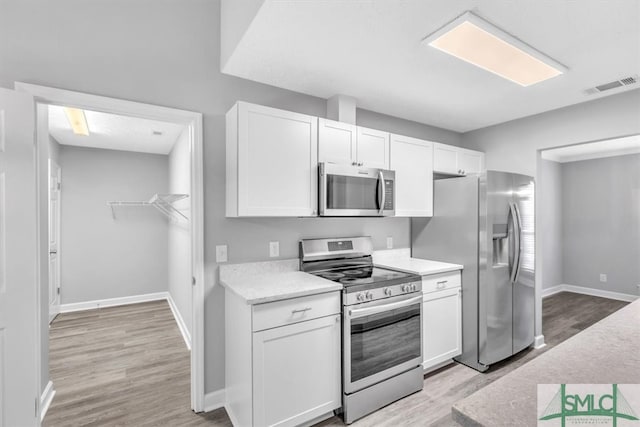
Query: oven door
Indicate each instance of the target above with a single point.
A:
(381, 339)
(355, 191)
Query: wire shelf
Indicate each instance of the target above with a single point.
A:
(161, 202)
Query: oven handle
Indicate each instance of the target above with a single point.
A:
(383, 187)
(355, 313)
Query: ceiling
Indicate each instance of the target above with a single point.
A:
(594, 150)
(115, 132)
(372, 50)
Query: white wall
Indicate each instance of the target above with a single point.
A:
(549, 222)
(168, 53)
(514, 146)
(179, 256)
(102, 257)
(601, 223)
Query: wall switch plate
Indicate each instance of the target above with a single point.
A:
(389, 242)
(221, 253)
(274, 249)
(603, 278)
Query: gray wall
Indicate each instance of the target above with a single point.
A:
(179, 257)
(549, 222)
(601, 223)
(167, 53)
(514, 146)
(102, 257)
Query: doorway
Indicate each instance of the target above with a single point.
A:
(163, 205)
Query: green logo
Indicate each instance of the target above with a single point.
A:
(564, 406)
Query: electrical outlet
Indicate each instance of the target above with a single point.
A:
(274, 249)
(389, 242)
(603, 278)
(221, 253)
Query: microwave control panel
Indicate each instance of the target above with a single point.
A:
(388, 199)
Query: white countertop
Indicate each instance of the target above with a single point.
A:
(268, 287)
(422, 267)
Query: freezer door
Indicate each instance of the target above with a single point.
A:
(495, 314)
(524, 279)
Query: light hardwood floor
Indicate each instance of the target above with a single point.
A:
(129, 366)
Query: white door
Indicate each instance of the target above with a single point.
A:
(54, 239)
(442, 326)
(412, 160)
(445, 159)
(19, 395)
(470, 161)
(336, 142)
(296, 372)
(373, 148)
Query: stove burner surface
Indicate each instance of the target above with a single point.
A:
(331, 275)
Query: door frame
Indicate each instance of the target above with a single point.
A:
(194, 121)
(51, 163)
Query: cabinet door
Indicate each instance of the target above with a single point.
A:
(442, 328)
(470, 161)
(277, 162)
(336, 142)
(412, 160)
(372, 148)
(296, 372)
(445, 158)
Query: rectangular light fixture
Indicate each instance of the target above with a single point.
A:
(478, 42)
(77, 120)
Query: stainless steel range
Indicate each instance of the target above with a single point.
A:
(382, 325)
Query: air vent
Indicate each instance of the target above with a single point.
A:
(612, 85)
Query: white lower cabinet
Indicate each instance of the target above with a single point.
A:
(283, 360)
(296, 372)
(442, 321)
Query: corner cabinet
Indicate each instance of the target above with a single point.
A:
(442, 319)
(344, 143)
(271, 162)
(451, 160)
(412, 160)
(283, 360)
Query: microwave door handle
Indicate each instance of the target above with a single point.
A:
(355, 313)
(384, 191)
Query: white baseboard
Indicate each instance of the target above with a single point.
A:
(112, 302)
(588, 291)
(214, 400)
(46, 399)
(538, 342)
(180, 321)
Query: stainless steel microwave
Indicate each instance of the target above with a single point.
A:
(347, 190)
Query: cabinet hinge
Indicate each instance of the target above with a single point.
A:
(58, 291)
(193, 280)
(59, 186)
(36, 407)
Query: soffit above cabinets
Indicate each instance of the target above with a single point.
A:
(371, 50)
(594, 150)
(115, 132)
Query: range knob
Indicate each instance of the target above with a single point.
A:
(387, 292)
(413, 287)
(360, 296)
(368, 295)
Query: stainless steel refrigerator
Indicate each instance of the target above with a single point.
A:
(486, 223)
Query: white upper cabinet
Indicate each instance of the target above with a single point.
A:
(271, 162)
(372, 148)
(412, 160)
(337, 142)
(451, 160)
(470, 161)
(344, 143)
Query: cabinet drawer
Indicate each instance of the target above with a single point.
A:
(285, 312)
(438, 282)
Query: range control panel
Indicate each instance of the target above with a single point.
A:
(381, 293)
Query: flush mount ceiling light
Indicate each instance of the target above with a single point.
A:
(478, 42)
(77, 120)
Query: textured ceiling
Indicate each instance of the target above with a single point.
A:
(115, 132)
(372, 50)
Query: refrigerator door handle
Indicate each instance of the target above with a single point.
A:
(518, 265)
(515, 249)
